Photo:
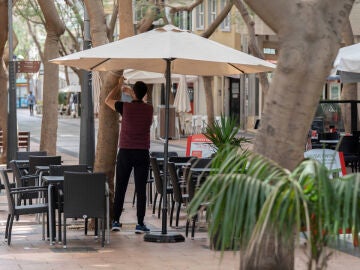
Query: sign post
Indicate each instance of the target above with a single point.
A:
(27, 66)
(12, 119)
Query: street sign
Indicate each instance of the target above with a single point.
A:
(27, 66)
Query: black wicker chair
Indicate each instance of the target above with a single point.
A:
(158, 178)
(178, 197)
(58, 170)
(24, 180)
(85, 196)
(151, 179)
(42, 161)
(24, 155)
(15, 210)
(194, 180)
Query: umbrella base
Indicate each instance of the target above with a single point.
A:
(158, 237)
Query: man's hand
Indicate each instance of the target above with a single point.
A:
(121, 80)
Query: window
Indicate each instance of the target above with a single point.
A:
(269, 51)
(335, 90)
(200, 17)
(182, 20)
(225, 24)
(212, 11)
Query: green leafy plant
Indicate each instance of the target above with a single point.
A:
(249, 195)
(225, 132)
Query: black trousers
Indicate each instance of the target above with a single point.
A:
(128, 159)
(31, 108)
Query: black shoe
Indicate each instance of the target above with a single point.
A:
(139, 229)
(115, 226)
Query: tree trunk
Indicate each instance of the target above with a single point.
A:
(272, 255)
(108, 132)
(3, 77)
(308, 48)
(112, 22)
(209, 98)
(126, 18)
(108, 120)
(146, 22)
(310, 38)
(54, 29)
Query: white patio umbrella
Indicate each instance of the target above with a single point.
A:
(133, 76)
(182, 100)
(188, 53)
(167, 50)
(347, 63)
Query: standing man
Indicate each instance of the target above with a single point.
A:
(133, 153)
(31, 101)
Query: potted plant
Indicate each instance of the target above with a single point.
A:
(250, 195)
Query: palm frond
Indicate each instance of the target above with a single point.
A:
(249, 196)
(235, 194)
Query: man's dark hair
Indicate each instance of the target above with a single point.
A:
(140, 89)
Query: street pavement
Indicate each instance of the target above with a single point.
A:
(126, 249)
(68, 134)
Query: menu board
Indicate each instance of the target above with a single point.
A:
(199, 146)
(332, 159)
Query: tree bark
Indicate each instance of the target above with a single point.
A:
(309, 35)
(146, 22)
(125, 19)
(209, 98)
(3, 77)
(36, 41)
(308, 48)
(54, 29)
(112, 22)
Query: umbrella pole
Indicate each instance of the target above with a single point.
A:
(164, 236)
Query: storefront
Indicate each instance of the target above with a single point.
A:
(21, 92)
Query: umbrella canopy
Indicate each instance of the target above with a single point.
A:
(347, 63)
(133, 76)
(189, 53)
(171, 50)
(182, 100)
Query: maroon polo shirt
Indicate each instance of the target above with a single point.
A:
(135, 125)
